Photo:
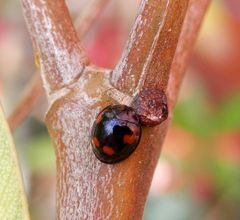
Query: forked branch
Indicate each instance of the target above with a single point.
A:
(34, 90)
(87, 188)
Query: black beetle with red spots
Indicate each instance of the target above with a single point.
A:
(116, 133)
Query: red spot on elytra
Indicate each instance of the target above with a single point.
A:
(108, 150)
(99, 119)
(95, 142)
(129, 139)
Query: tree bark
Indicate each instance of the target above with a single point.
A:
(55, 42)
(34, 89)
(87, 188)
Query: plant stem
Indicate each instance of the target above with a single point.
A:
(30, 97)
(34, 90)
(61, 57)
(89, 17)
(151, 46)
(87, 188)
(189, 33)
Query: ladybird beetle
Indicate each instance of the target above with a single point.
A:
(116, 133)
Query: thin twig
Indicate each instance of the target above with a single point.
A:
(29, 99)
(88, 18)
(193, 20)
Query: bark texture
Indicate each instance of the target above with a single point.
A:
(87, 188)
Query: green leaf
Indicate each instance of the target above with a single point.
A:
(13, 205)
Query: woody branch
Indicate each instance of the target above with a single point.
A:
(147, 61)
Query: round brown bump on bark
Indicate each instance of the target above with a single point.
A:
(151, 106)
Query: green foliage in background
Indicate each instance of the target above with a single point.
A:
(40, 154)
(228, 117)
(195, 115)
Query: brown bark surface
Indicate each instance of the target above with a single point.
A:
(87, 188)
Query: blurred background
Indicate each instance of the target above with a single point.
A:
(198, 174)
